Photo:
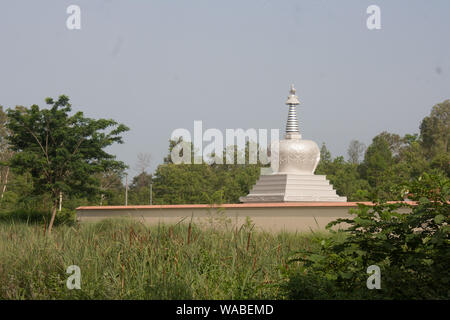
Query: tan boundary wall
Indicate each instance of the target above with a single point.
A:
(272, 217)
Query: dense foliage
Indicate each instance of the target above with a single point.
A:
(411, 249)
(59, 152)
(204, 183)
(377, 172)
(391, 160)
(48, 154)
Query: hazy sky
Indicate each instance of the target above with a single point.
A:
(159, 65)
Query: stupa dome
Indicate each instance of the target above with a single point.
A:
(298, 156)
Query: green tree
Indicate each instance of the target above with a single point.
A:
(5, 154)
(140, 188)
(355, 150)
(325, 160)
(345, 178)
(377, 166)
(435, 130)
(62, 152)
(204, 183)
(410, 161)
(139, 192)
(112, 189)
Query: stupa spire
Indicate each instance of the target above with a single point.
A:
(292, 101)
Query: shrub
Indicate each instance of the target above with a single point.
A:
(65, 216)
(411, 249)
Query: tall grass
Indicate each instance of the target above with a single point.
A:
(32, 215)
(124, 259)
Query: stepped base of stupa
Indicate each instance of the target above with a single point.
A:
(290, 187)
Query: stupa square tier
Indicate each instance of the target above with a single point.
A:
(292, 187)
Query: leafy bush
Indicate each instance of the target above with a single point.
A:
(411, 248)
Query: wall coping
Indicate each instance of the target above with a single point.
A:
(240, 205)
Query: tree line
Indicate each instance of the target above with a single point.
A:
(49, 155)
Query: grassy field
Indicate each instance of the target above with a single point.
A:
(124, 259)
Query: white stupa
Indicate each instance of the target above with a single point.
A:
(294, 180)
